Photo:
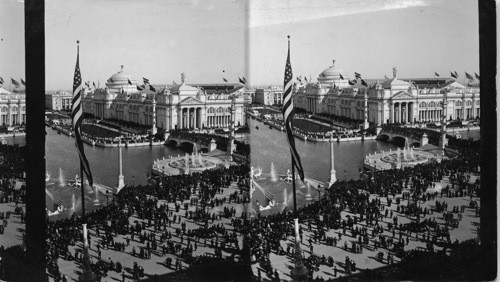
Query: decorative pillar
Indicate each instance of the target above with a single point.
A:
(365, 123)
(391, 112)
(444, 104)
(473, 109)
(333, 177)
(153, 129)
(121, 181)
(463, 105)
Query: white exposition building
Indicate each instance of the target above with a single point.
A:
(12, 106)
(175, 106)
(387, 100)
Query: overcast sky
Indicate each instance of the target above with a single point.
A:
(155, 39)
(12, 63)
(419, 37)
(160, 39)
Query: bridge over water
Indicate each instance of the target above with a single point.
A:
(202, 146)
(392, 135)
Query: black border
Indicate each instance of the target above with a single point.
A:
(36, 228)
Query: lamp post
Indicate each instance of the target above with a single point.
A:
(107, 195)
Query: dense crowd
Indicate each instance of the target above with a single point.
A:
(157, 224)
(374, 224)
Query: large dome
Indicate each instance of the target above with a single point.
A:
(332, 72)
(334, 76)
(121, 78)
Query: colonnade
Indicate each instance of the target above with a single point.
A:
(430, 114)
(190, 117)
(401, 112)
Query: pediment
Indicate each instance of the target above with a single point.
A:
(402, 95)
(190, 101)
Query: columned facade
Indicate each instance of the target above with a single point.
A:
(12, 107)
(170, 107)
(394, 100)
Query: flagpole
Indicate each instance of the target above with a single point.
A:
(87, 274)
(299, 272)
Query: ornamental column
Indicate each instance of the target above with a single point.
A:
(365, 123)
(153, 129)
(473, 115)
(333, 177)
(121, 182)
(463, 105)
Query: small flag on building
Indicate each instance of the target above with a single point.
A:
(15, 82)
(352, 82)
(477, 76)
(140, 87)
(364, 83)
(146, 81)
(453, 75)
(436, 74)
(225, 80)
(1, 79)
(456, 73)
(77, 118)
(22, 82)
(152, 88)
(341, 77)
(288, 113)
(241, 80)
(357, 75)
(469, 77)
(93, 83)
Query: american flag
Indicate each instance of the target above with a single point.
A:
(288, 113)
(77, 117)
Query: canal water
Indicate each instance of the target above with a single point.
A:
(269, 147)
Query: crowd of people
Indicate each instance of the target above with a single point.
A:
(375, 204)
(158, 223)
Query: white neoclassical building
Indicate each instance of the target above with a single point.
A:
(175, 106)
(391, 100)
(57, 101)
(270, 95)
(12, 107)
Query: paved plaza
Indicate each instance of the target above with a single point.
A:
(282, 263)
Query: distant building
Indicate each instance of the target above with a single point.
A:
(60, 100)
(12, 106)
(271, 95)
(388, 100)
(176, 106)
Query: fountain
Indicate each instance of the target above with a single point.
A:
(267, 188)
(96, 200)
(193, 160)
(398, 157)
(73, 202)
(308, 195)
(66, 197)
(199, 158)
(285, 197)
(62, 183)
(274, 177)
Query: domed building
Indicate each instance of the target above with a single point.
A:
(383, 101)
(333, 77)
(165, 106)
